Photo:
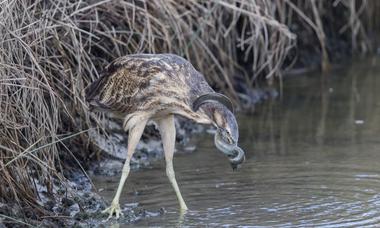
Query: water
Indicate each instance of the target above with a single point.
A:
(313, 159)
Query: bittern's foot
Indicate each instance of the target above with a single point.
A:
(113, 209)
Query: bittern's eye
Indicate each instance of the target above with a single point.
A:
(228, 133)
(227, 136)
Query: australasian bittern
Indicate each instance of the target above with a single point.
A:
(143, 87)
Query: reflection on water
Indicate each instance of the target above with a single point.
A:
(312, 160)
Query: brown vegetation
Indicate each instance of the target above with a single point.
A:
(50, 50)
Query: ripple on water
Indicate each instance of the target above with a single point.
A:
(287, 195)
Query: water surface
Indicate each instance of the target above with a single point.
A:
(313, 159)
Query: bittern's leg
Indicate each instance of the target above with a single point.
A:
(134, 136)
(167, 130)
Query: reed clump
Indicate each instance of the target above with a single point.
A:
(50, 50)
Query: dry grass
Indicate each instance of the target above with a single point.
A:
(50, 50)
(339, 26)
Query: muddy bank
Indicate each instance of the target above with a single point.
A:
(73, 202)
(77, 203)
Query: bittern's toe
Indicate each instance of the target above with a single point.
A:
(113, 209)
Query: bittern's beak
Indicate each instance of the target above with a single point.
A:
(235, 154)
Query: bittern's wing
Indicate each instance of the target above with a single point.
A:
(123, 79)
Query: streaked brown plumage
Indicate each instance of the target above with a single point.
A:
(155, 84)
(143, 87)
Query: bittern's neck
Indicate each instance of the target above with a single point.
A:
(222, 118)
(217, 113)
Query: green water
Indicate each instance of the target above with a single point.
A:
(313, 159)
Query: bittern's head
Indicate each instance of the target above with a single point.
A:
(220, 110)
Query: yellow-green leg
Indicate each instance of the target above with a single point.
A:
(134, 136)
(167, 131)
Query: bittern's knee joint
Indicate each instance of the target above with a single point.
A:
(170, 172)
